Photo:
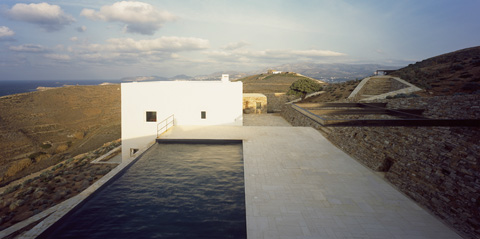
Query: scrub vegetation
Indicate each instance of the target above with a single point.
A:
(54, 185)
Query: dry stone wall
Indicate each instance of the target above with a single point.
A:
(276, 101)
(441, 107)
(439, 167)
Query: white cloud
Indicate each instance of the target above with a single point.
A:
(243, 55)
(81, 29)
(139, 17)
(6, 32)
(74, 39)
(48, 17)
(164, 44)
(28, 48)
(317, 53)
(121, 51)
(235, 45)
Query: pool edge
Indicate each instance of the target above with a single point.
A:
(68, 206)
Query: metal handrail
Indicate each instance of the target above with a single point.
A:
(165, 124)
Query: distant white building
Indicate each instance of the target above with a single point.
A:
(274, 72)
(146, 104)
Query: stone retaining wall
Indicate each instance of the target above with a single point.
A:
(441, 107)
(439, 167)
(277, 100)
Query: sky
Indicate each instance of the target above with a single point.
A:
(100, 39)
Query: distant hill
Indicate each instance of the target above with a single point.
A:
(334, 72)
(325, 72)
(452, 73)
(144, 78)
(180, 77)
(271, 83)
(233, 75)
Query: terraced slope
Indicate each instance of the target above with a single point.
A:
(270, 83)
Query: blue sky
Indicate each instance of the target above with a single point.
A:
(99, 39)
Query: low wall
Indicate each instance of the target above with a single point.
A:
(276, 101)
(254, 103)
(439, 167)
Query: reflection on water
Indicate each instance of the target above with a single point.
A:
(173, 191)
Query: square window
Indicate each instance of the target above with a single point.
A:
(151, 116)
(204, 115)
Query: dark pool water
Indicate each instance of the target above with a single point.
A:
(173, 191)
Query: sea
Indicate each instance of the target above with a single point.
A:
(10, 87)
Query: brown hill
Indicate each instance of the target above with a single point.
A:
(452, 73)
(271, 83)
(448, 74)
(39, 129)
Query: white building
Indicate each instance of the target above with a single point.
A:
(146, 104)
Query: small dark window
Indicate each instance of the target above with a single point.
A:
(259, 105)
(204, 115)
(151, 116)
(133, 151)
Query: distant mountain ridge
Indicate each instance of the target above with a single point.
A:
(333, 72)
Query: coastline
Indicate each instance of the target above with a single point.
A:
(12, 87)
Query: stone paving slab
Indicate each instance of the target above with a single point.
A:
(264, 120)
(299, 185)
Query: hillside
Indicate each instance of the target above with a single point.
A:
(334, 72)
(270, 83)
(39, 129)
(334, 92)
(452, 73)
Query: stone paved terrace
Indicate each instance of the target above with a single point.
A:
(265, 120)
(298, 185)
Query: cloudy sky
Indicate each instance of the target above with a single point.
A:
(99, 39)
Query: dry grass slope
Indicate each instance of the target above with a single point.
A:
(334, 92)
(448, 74)
(270, 83)
(46, 127)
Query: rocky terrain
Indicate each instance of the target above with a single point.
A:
(452, 73)
(40, 129)
(455, 73)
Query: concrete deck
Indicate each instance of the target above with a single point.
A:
(299, 185)
(265, 120)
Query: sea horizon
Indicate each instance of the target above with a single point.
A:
(10, 87)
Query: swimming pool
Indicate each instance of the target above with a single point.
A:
(173, 191)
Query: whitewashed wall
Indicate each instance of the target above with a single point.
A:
(222, 102)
